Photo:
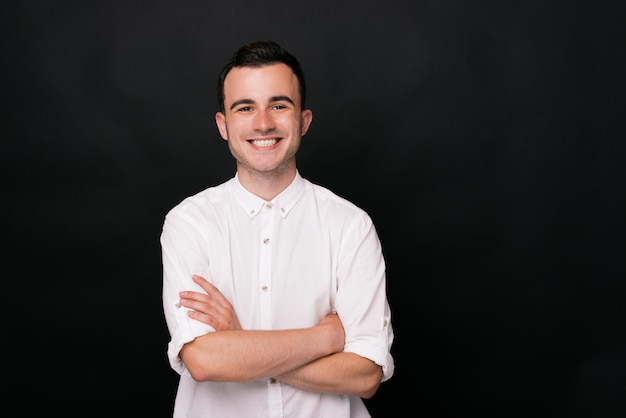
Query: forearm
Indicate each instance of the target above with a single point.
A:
(344, 373)
(242, 355)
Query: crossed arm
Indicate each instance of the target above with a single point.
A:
(308, 358)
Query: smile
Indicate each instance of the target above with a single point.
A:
(264, 142)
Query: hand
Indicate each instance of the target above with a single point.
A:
(336, 331)
(211, 308)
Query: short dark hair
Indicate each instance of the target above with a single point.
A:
(259, 54)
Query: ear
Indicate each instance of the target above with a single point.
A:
(220, 121)
(307, 118)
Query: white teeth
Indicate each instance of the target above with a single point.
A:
(264, 142)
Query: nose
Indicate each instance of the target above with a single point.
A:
(263, 121)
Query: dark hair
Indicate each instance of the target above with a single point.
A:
(259, 54)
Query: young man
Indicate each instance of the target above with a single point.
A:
(274, 288)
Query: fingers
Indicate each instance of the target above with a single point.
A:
(202, 308)
(209, 315)
(211, 290)
(211, 308)
(204, 283)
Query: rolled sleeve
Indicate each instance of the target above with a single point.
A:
(187, 329)
(378, 349)
(182, 258)
(361, 299)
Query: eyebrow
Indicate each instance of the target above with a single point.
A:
(272, 99)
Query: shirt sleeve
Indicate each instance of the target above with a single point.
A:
(181, 243)
(361, 300)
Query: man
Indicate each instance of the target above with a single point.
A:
(274, 288)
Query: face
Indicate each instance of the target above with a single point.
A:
(263, 122)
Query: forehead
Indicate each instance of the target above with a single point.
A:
(261, 83)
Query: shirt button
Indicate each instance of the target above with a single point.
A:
(269, 206)
(266, 241)
(264, 288)
(272, 380)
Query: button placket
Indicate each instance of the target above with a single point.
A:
(265, 265)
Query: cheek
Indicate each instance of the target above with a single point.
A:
(235, 126)
(290, 124)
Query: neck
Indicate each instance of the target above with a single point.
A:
(265, 185)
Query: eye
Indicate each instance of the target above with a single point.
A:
(279, 106)
(244, 109)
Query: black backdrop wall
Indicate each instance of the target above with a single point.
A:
(485, 139)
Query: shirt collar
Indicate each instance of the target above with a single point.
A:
(252, 204)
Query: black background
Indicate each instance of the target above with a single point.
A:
(485, 138)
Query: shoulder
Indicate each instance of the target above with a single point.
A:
(201, 203)
(329, 201)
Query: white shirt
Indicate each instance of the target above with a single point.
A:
(282, 264)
